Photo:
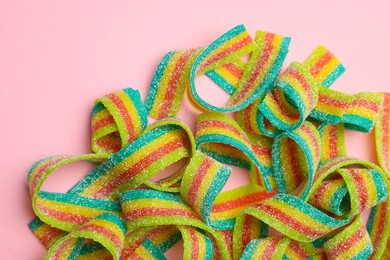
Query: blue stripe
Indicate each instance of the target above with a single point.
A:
(114, 219)
(153, 250)
(76, 249)
(221, 82)
(335, 74)
(136, 99)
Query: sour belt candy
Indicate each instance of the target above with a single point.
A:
(305, 197)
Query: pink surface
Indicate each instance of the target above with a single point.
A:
(56, 57)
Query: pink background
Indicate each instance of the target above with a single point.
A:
(56, 57)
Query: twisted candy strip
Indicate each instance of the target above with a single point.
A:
(117, 120)
(107, 229)
(214, 129)
(321, 193)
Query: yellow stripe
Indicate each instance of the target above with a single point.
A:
(132, 110)
(297, 215)
(327, 69)
(109, 225)
(143, 252)
(351, 252)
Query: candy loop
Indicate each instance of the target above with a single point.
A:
(117, 120)
(292, 99)
(295, 157)
(107, 229)
(214, 129)
(352, 243)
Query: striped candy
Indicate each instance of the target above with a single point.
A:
(107, 229)
(293, 98)
(146, 208)
(117, 120)
(295, 157)
(214, 129)
(301, 182)
(169, 83)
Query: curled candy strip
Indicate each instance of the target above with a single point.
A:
(117, 120)
(295, 157)
(214, 129)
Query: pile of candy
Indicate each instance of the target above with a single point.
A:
(288, 131)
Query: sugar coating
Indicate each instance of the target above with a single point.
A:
(305, 196)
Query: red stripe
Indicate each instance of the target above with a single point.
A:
(305, 129)
(234, 47)
(234, 70)
(221, 124)
(261, 150)
(361, 102)
(270, 249)
(61, 249)
(265, 55)
(333, 142)
(37, 174)
(381, 223)
(107, 145)
(173, 83)
(289, 221)
(316, 198)
(102, 122)
(50, 235)
(127, 118)
(321, 63)
(325, 99)
(138, 167)
(351, 241)
(103, 231)
(194, 244)
(246, 231)
(296, 169)
(247, 118)
(63, 216)
(158, 212)
(276, 95)
(302, 80)
(361, 188)
(197, 181)
(385, 131)
(298, 249)
(242, 201)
